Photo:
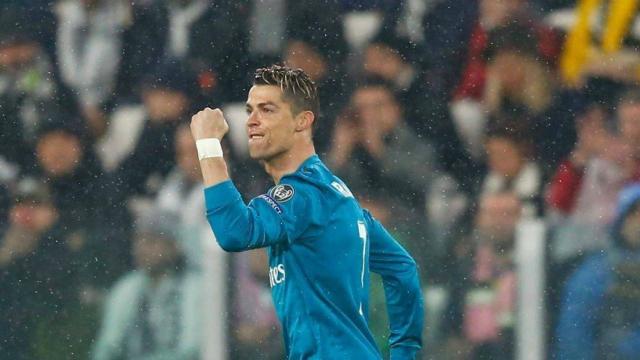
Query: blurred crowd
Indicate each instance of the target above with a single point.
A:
(452, 121)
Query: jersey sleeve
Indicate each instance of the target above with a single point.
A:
(401, 287)
(269, 219)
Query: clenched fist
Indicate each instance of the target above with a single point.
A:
(209, 123)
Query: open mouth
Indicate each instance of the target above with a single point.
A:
(255, 137)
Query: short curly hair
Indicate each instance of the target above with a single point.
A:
(297, 88)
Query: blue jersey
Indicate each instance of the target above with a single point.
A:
(322, 245)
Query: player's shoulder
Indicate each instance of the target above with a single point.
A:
(312, 176)
(294, 188)
(313, 184)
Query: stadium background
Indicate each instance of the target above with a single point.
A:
(492, 137)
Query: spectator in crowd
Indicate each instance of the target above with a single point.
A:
(38, 278)
(153, 312)
(167, 95)
(511, 69)
(368, 142)
(492, 15)
(394, 60)
(520, 79)
(483, 281)
(582, 193)
(456, 36)
(528, 83)
(510, 165)
(599, 313)
(90, 31)
(86, 197)
(593, 135)
(256, 331)
(70, 166)
(28, 90)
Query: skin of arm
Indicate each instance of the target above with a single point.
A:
(207, 124)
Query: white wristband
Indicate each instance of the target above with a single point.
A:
(208, 148)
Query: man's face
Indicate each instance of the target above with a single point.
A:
(376, 107)
(271, 124)
(504, 157)
(498, 217)
(629, 122)
(59, 153)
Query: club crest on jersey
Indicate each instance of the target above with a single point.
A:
(282, 193)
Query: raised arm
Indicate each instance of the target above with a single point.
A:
(401, 287)
(206, 126)
(237, 227)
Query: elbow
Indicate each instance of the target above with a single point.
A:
(410, 268)
(406, 276)
(229, 243)
(227, 233)
(411, 278)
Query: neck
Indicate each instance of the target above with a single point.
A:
(289, 161)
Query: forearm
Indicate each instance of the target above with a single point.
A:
(237, 227)
(214, 171)
(208, 127)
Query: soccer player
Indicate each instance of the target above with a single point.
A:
(321, 243)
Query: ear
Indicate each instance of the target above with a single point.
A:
(304, 121)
